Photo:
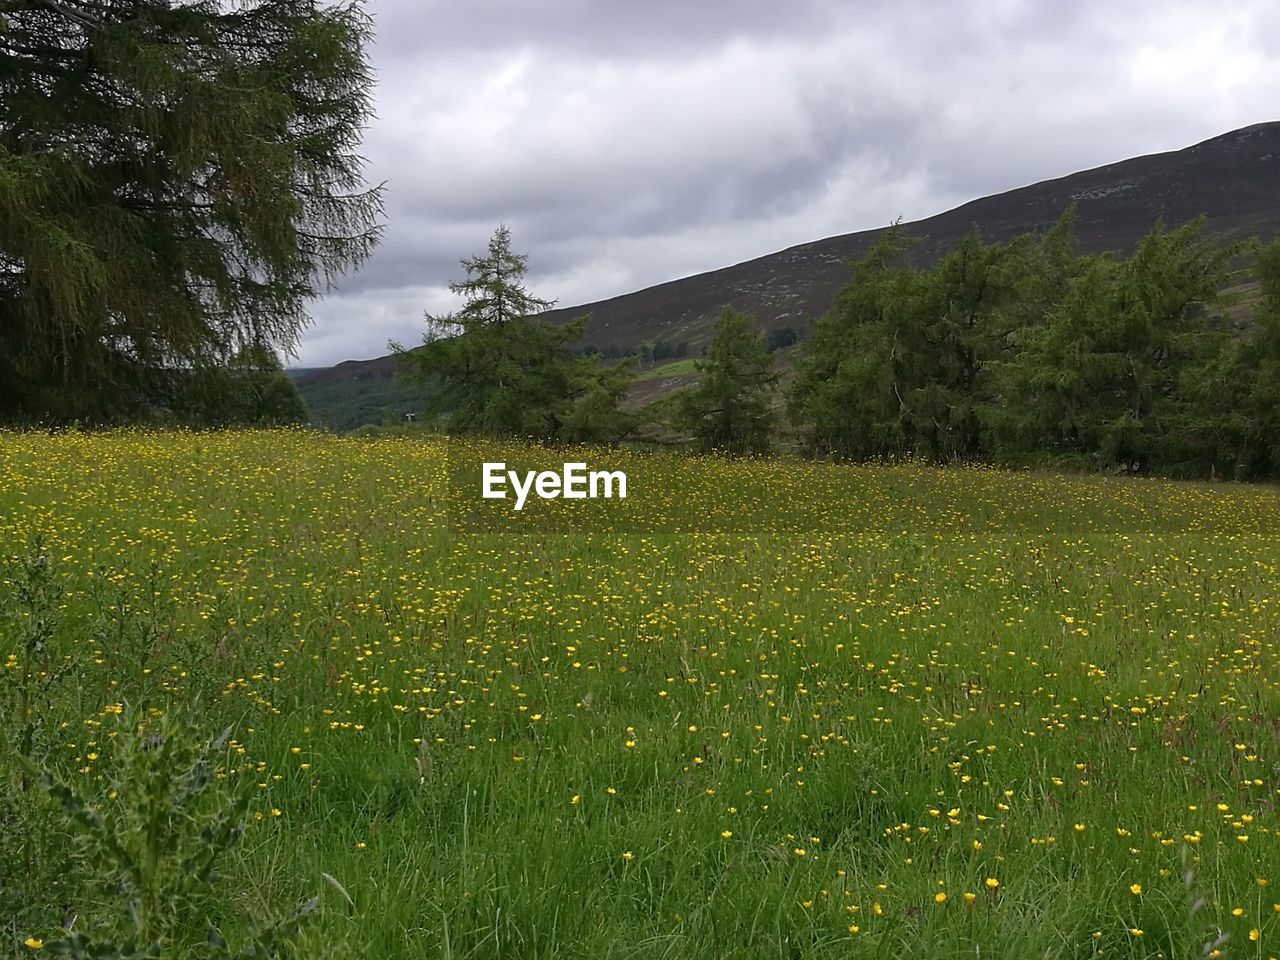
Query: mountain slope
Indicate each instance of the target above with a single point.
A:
(1234, 179)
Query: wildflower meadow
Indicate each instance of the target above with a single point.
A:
(270, 689)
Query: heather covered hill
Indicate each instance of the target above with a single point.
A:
(1233, 179)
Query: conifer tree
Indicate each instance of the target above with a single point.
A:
(1237, 396)
(731, 410)
(896, 366)
(495, 369)
(844, 399)
(176, 181)
(1103, 378)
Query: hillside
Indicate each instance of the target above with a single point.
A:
(342, 405)
(1231, 178)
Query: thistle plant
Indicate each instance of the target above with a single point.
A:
(151, 845)
(31, 614)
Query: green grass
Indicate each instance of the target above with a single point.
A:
(676, 368)
(664, 740)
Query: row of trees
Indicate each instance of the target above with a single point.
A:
(1016, 353)
(1028, 352)
(495, 368)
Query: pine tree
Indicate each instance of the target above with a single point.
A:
(1103, 378)
(844, 399)
(1238, 396)
(731, 410)
(895, 367)
(944, 337)
(495, 369)
(251, 390)
(176, 181)
(1263, 353)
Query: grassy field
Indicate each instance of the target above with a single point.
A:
(675, 368)
(933, 713)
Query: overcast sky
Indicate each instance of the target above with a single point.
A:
(628, 142)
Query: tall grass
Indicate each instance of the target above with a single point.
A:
(928, 713)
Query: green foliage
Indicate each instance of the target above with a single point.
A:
(780, 338)
(651, 352)
(1107, 375)
(1263, 349)
(676, 368)
(849, 662)
(344, 405)
(845, 397)
(176, 181)
(1241, 390)
(499, 371)
(896, 368)
(594, 413)
(1026, 352)
(31, 617)
(251, 391)
(33, 685)
(151, 845)
(730, 409)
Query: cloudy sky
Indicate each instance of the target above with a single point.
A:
(628, 142)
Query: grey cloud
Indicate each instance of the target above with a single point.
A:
(652, 29)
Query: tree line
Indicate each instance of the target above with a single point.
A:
(1027, 352)
(1017, 353)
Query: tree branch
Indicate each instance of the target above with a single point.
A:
(70, 13)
